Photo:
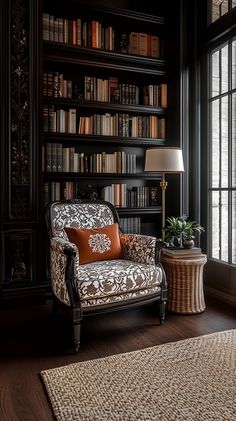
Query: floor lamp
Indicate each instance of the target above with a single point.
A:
(164, 160)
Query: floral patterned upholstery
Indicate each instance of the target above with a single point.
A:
(104, 281)
(101, 284)
(139, 248)
(82, 215)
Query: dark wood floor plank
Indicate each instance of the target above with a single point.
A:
(31, 341)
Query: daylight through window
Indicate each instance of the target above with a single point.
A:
(222, 180)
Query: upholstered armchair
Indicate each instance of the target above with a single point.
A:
(136, 277)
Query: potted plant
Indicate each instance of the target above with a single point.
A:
(180, 232)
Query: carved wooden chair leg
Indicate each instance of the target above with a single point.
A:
(76, 328)
(162, 312)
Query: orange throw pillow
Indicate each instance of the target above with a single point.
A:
(96, 244)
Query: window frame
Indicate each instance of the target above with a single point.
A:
(221, 42)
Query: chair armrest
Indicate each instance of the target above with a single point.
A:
(60, 245)
(64, 259)
(139, 248)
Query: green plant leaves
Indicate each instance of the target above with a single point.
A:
(181, 227)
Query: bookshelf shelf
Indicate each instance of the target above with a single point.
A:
(67, 138)
(106, 106)
(100, 59)
(96, 58)
(87, 175)
(131, 15)
(139, 211)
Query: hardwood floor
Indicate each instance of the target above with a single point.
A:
(32, 341)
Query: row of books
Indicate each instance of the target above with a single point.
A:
(94, 34)
(143, 44)
(117, 194)
(57, 158)
(90, 34)
(119, 124)
(120, 195)
(130, 225)
(91, 88)
(56, 190)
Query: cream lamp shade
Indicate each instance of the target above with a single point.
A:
(164, 160)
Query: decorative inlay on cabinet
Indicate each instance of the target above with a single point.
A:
(19, 135)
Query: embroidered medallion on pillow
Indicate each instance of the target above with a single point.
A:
(96, 244)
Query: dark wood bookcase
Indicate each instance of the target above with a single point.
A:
(128, 69)
(24, 173)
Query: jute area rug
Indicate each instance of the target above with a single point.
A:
(193, 379)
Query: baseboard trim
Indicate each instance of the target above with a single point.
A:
(220, 295)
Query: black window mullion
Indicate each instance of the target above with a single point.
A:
(210, 178)
(209, 12)
(220, 160)
(220, 220)
(231, 4)
(210, 221)
(230, 154)
(210, 152)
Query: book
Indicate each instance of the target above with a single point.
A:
(182, 253)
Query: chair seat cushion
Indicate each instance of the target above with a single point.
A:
(106, 281)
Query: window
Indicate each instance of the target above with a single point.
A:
(220, 8)
(222, 152)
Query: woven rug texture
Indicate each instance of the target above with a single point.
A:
(190, 380)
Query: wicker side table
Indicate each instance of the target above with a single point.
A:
(185, 284)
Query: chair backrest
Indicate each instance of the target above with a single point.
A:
(79, 213)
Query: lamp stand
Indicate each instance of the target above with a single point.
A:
(163, 184)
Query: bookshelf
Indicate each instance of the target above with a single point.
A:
(104, 102)
(25, 59)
